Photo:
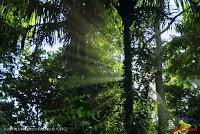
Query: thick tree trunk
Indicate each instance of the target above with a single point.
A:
(127, 82)
(162, 112)
(125, 10)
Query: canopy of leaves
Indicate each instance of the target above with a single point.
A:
(79, 86)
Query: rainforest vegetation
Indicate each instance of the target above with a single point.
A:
(100, 66)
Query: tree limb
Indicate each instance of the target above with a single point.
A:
(168, 26)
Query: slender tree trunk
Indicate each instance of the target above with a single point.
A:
(127, 81)
(162, 112)
(37, 118)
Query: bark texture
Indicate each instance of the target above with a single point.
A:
(162, 112)
(128, 104)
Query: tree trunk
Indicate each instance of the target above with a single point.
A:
(127, 81)
(125, 10)
(162, 112)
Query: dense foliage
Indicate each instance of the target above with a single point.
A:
(112, 73)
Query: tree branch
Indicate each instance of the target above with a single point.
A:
(168, 26)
